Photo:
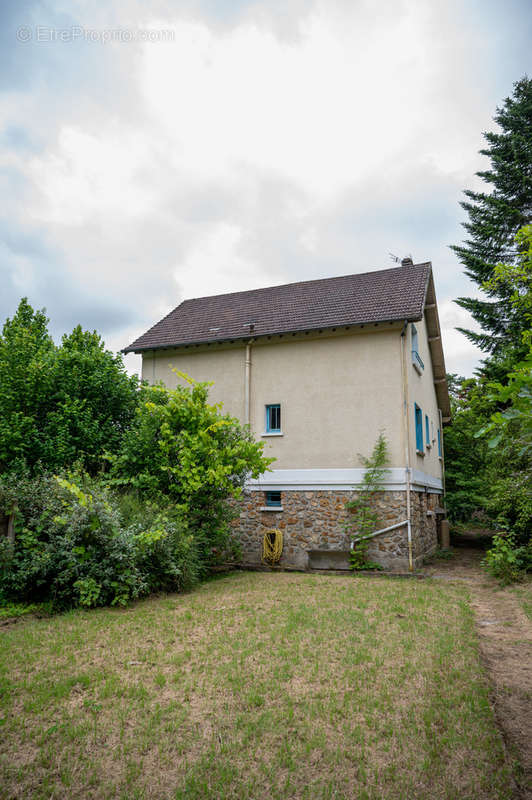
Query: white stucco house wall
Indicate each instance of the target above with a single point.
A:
(318, 369)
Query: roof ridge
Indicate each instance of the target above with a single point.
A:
(302, 283)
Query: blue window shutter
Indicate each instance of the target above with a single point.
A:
(427, 430)
(419, 427)
(439, 442)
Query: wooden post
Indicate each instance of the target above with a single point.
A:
(445, 536)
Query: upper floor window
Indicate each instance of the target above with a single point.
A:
(416, 358)
(419, 428)
(273, 418)
(427, 430)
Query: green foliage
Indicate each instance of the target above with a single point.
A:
(495, 216)
(363, 518)
(163, 514)
(510, 504)
(506, 560)
(60, 404)
(512, 424)
(467, 458)
(489, 445)
(75, 547)
(69, 549)
(184, 449)
(9, 610)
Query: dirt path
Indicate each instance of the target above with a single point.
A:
(505, 636)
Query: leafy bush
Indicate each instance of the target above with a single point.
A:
(510, 505)
(507, 561)
(73, 546)
(183, 450)
(71, 550)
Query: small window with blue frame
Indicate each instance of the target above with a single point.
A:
(273, 418)
(273, 499)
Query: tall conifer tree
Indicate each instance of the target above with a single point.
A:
(495, 216)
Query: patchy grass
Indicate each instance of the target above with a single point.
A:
(523, 592)
(255, 685)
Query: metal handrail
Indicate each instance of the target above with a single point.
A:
(378, 533)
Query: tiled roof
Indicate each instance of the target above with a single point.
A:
(381, 296)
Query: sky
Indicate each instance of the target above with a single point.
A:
(154, 151)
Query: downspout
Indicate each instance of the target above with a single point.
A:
(406, 429)
(247, 388)
(442, 456)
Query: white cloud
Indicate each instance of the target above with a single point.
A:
(269, 142)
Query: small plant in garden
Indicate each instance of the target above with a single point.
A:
(506, 561)
(363, 519)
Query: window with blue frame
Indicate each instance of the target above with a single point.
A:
(273, 418)
(419, 428)
(439, 442)
(427, 430)
(273, 499)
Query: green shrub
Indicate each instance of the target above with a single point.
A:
(183, 451)
(510, 504)
(69, 548)
(507, 561)
(75, 547)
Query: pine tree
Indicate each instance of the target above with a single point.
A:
(494, 219)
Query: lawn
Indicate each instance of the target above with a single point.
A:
(255, 685)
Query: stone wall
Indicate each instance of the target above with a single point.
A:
(312, 523)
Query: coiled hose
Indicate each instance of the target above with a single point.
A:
(272, 546)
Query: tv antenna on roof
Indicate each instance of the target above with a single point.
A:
(395, 258)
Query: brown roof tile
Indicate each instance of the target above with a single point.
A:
(381, 296)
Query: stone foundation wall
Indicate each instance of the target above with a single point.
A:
(312, 523)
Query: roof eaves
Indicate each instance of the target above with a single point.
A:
(192, 342)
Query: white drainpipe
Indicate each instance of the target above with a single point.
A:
(406, 417)
(442, 457)
(247, 389)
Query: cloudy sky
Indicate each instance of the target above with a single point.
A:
(154, 151)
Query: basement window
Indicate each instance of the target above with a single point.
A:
(273, 499)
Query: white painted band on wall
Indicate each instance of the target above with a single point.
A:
(340, 480)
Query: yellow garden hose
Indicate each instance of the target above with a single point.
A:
(272, 546)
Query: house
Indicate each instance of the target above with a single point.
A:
(318, 369)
